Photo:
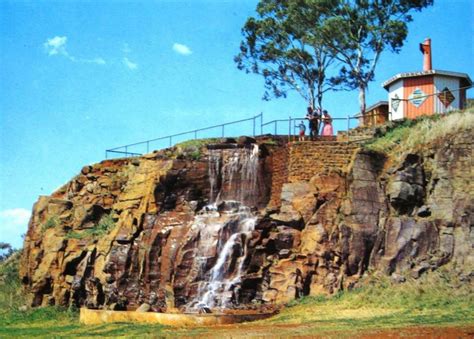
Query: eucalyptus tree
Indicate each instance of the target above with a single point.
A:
(358, 31)
(284, 44)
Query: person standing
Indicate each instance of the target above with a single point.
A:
(309, 116)
(302, 128)
(327, 124)
(316, 118)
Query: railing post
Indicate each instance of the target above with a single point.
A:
(195, 135)
(106, 153)
(276, 127)
(261, 123)
(348, 124)
(253, 121)
(223, 130)
(289, 129)
(148, 147)
(126, 151)
(171, 141)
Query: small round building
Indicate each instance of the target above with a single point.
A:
(426, 92)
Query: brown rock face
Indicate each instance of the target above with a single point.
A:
(246, 225)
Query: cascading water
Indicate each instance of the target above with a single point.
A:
(225, 227)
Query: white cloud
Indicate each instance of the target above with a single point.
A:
(14, 223)
(16, 216)
(181, 49)
(57, 46)
(98, 61)
(131, 65)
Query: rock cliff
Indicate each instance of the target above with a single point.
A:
(141, 232)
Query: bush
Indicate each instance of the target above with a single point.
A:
(11, 296)
(51, 222)
(6, 251)
(105, 224)
(414, 133)
(192, 149)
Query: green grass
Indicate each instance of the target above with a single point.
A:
(105, 224)
(192, 149)
(197, 143)
(51, 222)
(438, 300)
(414, 134)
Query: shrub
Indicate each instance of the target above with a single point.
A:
(11, 296)
(412, 134)
(192, 149)
(105, 224)
(51, 222)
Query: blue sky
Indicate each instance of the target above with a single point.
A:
(78, 77)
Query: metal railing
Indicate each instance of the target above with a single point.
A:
(124, 150)
(289, 127)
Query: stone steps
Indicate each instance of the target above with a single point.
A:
(306, 159)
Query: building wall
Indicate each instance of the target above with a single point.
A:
(375, 116)
(425, 84)
(396, 89)
(453, 84)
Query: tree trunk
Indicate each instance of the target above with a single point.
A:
(362, 99)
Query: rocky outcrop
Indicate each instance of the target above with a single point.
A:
(136, 233)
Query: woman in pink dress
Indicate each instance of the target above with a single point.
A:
(327, 124)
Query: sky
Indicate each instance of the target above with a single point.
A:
(80, 77)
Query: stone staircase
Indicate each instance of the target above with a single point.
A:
(307, 159)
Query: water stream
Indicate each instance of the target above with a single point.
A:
(225, 227)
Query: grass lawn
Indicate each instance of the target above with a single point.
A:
(437, 304)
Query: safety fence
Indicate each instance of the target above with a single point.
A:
(251, 126)
(279, 127)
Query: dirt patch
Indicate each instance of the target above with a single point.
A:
(311, 331)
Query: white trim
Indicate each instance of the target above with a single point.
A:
(399, 76)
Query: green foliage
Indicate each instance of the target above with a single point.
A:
(11, 296)
(192, 149)
(105, 224)
(284, 45)
(51, 222)
(41, 314)
(412, 134)
(196, 143)
(437, 298)
(6, 250)
(441, 289)
(470, 103)
(294, 43)
(357, 32)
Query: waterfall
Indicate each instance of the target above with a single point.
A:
(225, 227)
(233, 174)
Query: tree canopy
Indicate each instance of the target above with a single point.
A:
(360, 30)
(293, 43)
(284, 44)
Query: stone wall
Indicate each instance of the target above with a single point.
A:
(279, 174)
(307, 159)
